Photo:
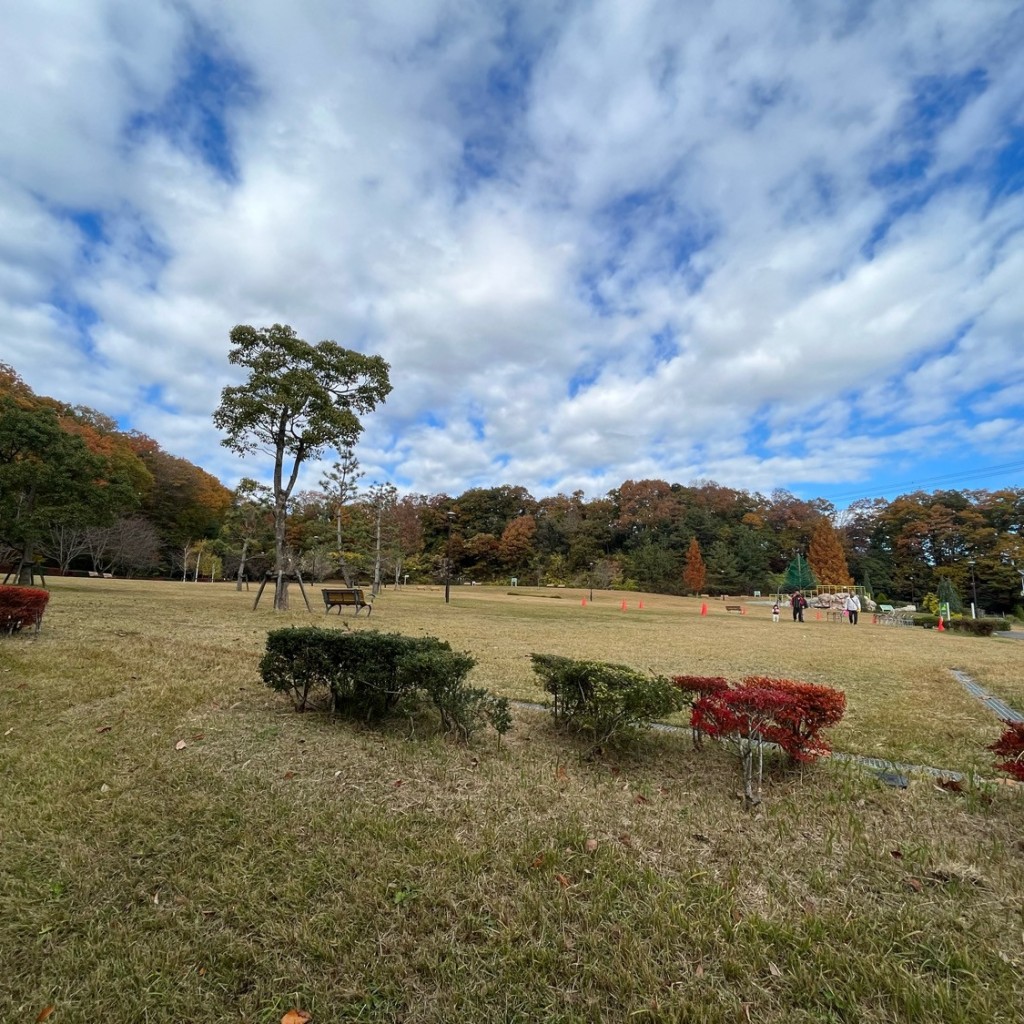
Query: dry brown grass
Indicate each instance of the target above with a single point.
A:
(281, 859)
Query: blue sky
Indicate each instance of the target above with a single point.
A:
(771, 244)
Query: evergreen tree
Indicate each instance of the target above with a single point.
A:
(799, 575)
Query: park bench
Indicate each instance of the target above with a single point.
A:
(734, 608)
(343, 597)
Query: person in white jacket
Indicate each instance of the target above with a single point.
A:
(852, 608)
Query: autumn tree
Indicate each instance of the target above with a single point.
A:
(516, 544)
(299, 400)
(48, 477)
(826, 556)
(695, 573)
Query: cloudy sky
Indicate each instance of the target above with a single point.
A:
(776, 244)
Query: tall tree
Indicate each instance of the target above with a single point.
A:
(299, 399)
(695, 574)
(340, 484)
(826, 556)
(381, 498)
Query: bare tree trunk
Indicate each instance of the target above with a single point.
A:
(280, 575)
(25, 568)
(241, 564)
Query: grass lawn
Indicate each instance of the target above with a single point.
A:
(278, 860)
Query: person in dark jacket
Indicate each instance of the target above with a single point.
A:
(798, 603)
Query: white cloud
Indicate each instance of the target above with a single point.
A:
(668, 232)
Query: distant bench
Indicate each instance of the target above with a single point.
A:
(345, 598)
(734, 608)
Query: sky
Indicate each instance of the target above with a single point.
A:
(773, 244)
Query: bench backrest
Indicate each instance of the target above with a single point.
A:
(344, 596)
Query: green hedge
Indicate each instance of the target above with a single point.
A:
(603, 698)
(977, 627)
(372, 676)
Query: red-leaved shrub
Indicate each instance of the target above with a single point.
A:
(21, 606)
(781, 711)
(701, 684)
(1011, 747)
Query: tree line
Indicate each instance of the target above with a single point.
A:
(78, 493)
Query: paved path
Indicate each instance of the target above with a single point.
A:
(994, 704)
(1011, 634)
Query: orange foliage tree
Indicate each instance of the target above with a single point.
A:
(695, 573)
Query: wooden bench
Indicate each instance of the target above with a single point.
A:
(734, 608)
(345, 598)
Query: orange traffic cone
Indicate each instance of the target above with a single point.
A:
(743, 609)
(623, 606)
(940, 627)
(817, 616)
(703, 607)
(583, 603)
(641, 606)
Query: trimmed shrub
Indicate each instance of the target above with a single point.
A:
(605, 699)
(21, 606)
(978, 627)
(371, 676)
(1010, 747)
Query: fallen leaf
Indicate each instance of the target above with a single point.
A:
(104, 728)
(180, 745)
(397, 783)
(45, 1012)
(626, 839)
(914, 884)
(563, 881)
(774, 970)
(197, 736)
(104, 788)
(745, 1007)
(737, 915)
(561, 773)
(701, 838)
(296, 1017)
(640, 799)
(896, 854)
(22, 686)
(202, 972)
(9, 731)
(950, 785)
(590, 845)
(698, 971)
(289, 775)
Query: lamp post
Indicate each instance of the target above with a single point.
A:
(448, 561)
(974, 591)
(592, 582)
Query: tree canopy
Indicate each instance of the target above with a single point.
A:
(298, 400)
